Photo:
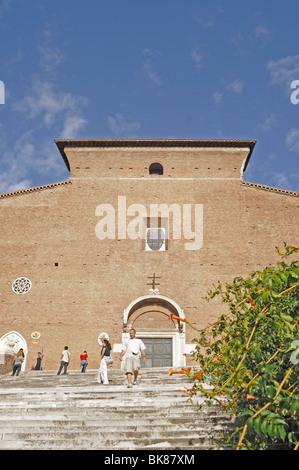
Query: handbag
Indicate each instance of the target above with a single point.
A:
(109, 360)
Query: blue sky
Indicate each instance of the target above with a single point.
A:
(147, 69)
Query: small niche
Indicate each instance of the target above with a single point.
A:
(156, 169)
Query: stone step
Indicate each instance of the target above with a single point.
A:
(116, 376)
(94, 402)
(186, 420)
(40, 410)
(76, 426)
(90, 416)
(102, 392)
(149, 415)
(116, 443)
(102, 434)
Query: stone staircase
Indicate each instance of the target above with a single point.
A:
(40, 410)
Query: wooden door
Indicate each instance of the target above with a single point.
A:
(158, 352)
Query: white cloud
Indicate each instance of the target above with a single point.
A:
(149, 66)
(72, 125)
(292, 140)
(55, 108)
(236, 86)
(7, 183)
(197, 58)
(4, 5)
(26, 157)
(51, 57)
(263, 34)
(46, 106)
(245, 40)
(47, 110)
(284, 71)
(268, 123)
(119, 125)
(238, 39)
(217, 97)
(16, 162)
(281, 180)
(205, 23)
(49, 161)
(286, 180)
(14, 61)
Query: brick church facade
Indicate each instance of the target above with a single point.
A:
(140, 231)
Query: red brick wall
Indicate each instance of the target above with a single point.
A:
(70, 304)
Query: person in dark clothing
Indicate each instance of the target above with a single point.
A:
(38, 365)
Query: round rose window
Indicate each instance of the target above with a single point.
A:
(21, 285)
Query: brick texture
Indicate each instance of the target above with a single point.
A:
(81, 284)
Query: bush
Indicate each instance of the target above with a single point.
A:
(250, 356)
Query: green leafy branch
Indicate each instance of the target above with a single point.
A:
(245, 355)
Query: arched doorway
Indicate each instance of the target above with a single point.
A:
(10, 344)
(164, 338)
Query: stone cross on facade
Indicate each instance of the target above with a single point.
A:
(154, 283)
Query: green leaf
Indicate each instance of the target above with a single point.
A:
(295, 406)
(287, 318)
(251, 425)
(281, 265)
(270, 428)
(271, 391)
(279, 421)
(292, 437)
(258, 354)
(284, 403)
(295, 272)
(282, 432)
(264, 425)
(265, 413)
(257, 424)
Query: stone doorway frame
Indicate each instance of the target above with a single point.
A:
(178, 334)
(11, 342)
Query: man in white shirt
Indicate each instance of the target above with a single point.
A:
(65, 360)
(133, 348)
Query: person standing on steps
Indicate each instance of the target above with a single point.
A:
(106, 359)
(83, 359)
(19, 358)
(38, 365)
(133, 348)
(65, 360)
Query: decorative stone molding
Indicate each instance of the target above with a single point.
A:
(11, 343)
(177, 335)
(149, 298)
(153, 291)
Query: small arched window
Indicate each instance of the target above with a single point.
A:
(156, 169)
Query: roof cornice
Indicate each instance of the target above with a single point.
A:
(104, 143)
(270, 188)
(19, 192)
